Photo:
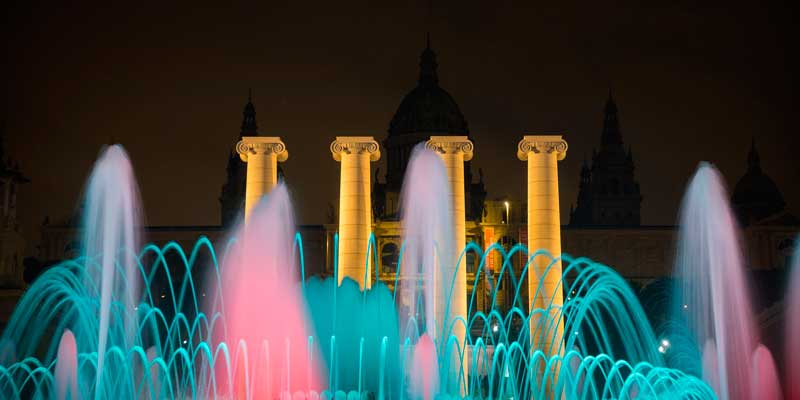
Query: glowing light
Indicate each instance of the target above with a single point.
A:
(664, 346)
(495, 328)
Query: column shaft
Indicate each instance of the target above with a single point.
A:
(355, 219)
(262, 176)
(454, 151)
(544, 232)
(542, 154)
(355, 207)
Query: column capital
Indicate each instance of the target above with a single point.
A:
(451, 145)
(357, 145)
(251, 145)
(542, 144)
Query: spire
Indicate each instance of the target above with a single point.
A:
(427, 65)
(611, 133)
(2, 144)
(586, 174)
(753, 160)
(249, 126)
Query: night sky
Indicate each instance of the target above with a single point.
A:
(169, 82)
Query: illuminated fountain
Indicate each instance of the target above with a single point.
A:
(248, 325)
(712, 306)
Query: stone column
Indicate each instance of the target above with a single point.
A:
(355, 206)
(454, 151)
(544, 232)
(262, 155)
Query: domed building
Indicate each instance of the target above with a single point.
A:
(427, 110)
(767, 226)
(756, 199)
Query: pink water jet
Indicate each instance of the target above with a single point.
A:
(66, 374)
(264, 308)
(425, 370)
(765, 384)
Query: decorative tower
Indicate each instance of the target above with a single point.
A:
(233, 191)
(609, 193)
(12, 244)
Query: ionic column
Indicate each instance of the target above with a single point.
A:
(355, 206)
(454, 151)
(262, 155)
(544, 232)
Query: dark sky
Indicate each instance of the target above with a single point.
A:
(169, 82)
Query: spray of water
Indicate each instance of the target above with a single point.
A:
(111, 226)
(427, 262)
(265, 311)
(792, 308)
(713, 301)
(251, 336)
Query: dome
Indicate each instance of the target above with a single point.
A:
(428, 107)
(755, 195)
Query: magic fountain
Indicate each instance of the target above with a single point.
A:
(119, 322)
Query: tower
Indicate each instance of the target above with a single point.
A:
(609, 193)
(12, 245)
(233, 190)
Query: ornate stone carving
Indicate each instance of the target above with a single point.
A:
(261, 145)
(542, 144)
(355, 145)
(450, 145)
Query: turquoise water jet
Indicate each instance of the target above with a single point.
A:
(260, 318)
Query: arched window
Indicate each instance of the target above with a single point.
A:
(389, 255)
(470, 262)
